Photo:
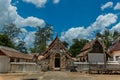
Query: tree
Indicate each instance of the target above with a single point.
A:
(11, 31)
(65, 44)
(5, 41)
(77, 46)
(21, 47)
(107, 37)
(42, 35)
(116, 34)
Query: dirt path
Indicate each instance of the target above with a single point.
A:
(57, 76)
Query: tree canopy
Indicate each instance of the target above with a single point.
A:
(77, 46)
(108, 37)
(5, 41)
(42, 35)
(13, 32)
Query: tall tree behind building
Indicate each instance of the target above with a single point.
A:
(5, 41)
(42, 36)
(108, 37)
(77, 46)
(65, 44)
(11, 30)
(13, 34)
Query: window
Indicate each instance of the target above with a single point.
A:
(11, 59)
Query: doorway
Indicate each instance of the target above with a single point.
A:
(57, 60)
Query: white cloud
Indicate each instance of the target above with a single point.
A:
(107, 5)
(116, 27)
(117, 6)
(8, 14)
(37, 3)
(72, 33)
(29, 39)
(103, 21)
(15, 3)
(56, 1)
(31, 21)
(23, 30)
(100, 24)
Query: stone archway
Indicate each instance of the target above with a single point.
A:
(57, 61)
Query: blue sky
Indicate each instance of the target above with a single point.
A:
(66, 13)
(69, 18)
(63, 15)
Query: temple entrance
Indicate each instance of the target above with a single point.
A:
(57, 60)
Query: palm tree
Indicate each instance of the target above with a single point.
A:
(108, 37)
(116, 34)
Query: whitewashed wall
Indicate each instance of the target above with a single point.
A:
(24, 67)
(82, 66)
(4, 64)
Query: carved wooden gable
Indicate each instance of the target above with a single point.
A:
(57, 55)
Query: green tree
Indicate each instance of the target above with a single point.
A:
(115, 35)
(108, 37)
(11, 31)
(42, 35)
(77, 46)
(5, 41)
(65, 44)
(21, 47)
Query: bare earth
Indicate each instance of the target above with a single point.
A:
(57, 75)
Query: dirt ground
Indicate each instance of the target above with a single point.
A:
(57, 75)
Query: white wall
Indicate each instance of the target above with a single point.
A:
(114, 55)
(24, 67)
(4, 64)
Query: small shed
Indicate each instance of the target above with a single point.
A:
(56, 57)
(8, 55)
(95, 46)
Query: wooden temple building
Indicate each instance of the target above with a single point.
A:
(56, 57)
(94, 46)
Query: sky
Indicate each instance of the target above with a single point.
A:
(71, 19)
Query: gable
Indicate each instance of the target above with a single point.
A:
(56, 47)
(97, 48)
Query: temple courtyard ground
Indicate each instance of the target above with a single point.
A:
(58, 75)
